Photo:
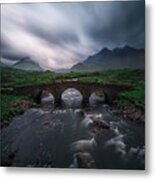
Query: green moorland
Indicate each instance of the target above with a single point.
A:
(13, 77)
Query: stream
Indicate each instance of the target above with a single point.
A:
(73, 137)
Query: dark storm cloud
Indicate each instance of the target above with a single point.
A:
(8, 51)
(58, 35)
(125, 25)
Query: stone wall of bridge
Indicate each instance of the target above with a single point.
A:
(57, 88)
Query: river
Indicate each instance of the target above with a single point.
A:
(73, 137)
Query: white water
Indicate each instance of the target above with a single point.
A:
(75, 138)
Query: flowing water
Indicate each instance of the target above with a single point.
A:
(71, 137)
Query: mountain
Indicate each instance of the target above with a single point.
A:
(27, 64)
(118, 58)
(2, 64)
(61, 70)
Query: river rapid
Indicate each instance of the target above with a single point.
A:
(95, 136)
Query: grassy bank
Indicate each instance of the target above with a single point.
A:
(12, 105)
(13, 77)
(136, 78)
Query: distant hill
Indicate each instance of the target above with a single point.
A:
(27, 64)
(61, 70)
(2, 64)
(118, 58)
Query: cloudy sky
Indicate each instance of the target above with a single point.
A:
(59, 35)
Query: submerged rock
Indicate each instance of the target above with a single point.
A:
(82, 160)
(100, 124)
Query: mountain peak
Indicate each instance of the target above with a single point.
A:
(24, 59)
(118, 58)
(105, 50)
(26, 63)
(125, 50)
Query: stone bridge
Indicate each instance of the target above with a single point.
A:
(57, 88)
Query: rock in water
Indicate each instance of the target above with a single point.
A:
(84, 145)
(100, 124)
(82, 160)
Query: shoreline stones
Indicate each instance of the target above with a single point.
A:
(129, 110)
(82, 160)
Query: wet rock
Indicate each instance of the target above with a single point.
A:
(12, 154)
(117, 144)
(5, 162)
(86, 123)
(102, 137)
(80, 112)
(131, 111)
(100, 124)
(142, 118)
(137, 114)
(60, 130)
(131, 116)
(82, 160)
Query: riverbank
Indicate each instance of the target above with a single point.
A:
(130, 104)
(13, 105)
(129, 110)
(90, 138)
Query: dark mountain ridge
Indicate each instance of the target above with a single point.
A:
(26, 63)
(118, 58)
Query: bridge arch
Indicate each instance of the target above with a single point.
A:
(39, 94)
(85, 90)
(57, 88)
(71, 97)
(97, 98)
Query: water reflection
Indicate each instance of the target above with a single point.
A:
(71, 98)
(47, 101)
(92, 137)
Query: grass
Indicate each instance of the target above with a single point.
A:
(136, 95)
(133, 77)
(13, 77)
(6, 111)
(125, 76)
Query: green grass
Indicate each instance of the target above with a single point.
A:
(136, 78)
(5, 111)
(125, 76)
(13, 77)
(136, 95)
